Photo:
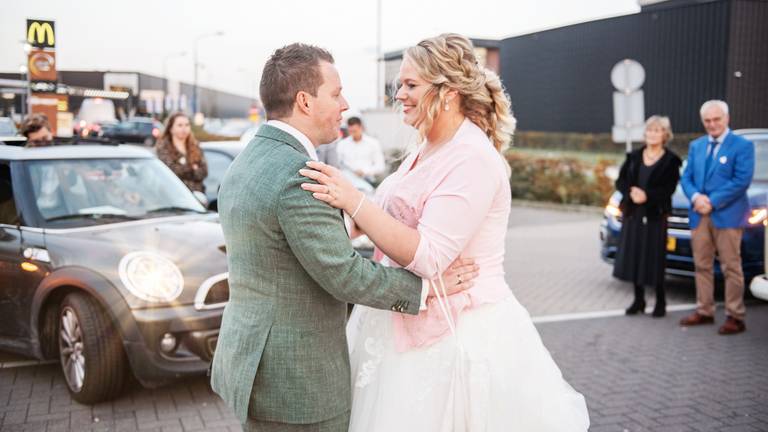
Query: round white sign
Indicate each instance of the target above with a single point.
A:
(628, 75)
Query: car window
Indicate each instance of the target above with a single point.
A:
(761, 160)
(117, 187)
(7, 128)
(8, 213)
(217, 166)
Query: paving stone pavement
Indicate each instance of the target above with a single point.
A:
(644, 374)
(553, 265)
(637, 373)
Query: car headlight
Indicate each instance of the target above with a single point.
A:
(758, 216)
(151, 277)
(612, 209)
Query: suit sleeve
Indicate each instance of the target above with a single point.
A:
(743, 170)
(687, 180)
(316, 235)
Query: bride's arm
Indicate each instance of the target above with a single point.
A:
(452, 214)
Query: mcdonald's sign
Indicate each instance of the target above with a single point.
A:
(40, 34)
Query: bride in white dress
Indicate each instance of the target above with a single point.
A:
(449, 199)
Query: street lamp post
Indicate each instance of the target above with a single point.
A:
(165, 75)
(195, 103)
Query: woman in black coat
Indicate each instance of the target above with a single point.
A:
(647, 180)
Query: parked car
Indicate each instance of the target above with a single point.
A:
(679, 251)
(108, 264)
(137, 130)
(759, 285)
(219, 154)
(94, 113)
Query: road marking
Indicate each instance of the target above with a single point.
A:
(16, 364)
(604, 314)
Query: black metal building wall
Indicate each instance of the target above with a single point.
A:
(747, 76)
(559, 80)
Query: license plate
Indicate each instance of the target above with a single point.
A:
(671, 244)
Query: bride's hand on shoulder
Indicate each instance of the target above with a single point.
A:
(332, 187)
(459, 276)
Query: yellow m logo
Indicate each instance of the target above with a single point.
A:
(40, 34)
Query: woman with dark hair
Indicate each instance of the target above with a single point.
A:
(647, 180)
(178, 148)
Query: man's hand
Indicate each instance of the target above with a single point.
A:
(702, 205)
(459, 276)
(637, 195)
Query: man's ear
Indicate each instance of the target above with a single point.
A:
(303, 102)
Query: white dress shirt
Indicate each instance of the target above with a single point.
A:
(300, 137)
(719, 140)
(364, 155)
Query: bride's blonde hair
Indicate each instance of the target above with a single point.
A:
(448, 62)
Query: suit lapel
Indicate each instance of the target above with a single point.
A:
(720, 153)
(273, 133)
(701, 161)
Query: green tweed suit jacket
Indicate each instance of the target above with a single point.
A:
(282, 351)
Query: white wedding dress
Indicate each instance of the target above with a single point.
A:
(404, 368)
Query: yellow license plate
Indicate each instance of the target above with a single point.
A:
(671, 244)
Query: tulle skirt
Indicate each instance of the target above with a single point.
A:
(513, 384)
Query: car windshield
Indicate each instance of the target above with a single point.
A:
(7, 128)
(761, 160)
(88, 191)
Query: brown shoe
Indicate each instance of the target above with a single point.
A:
(732, 326)
(695, 319)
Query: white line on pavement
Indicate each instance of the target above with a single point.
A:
(602, 314)
(15, 364)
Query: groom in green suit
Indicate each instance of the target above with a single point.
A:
(282, 361)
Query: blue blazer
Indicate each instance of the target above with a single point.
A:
(726, 183)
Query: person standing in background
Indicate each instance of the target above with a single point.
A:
(178, 148)
(359, 153)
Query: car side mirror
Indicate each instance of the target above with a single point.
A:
(201, 197)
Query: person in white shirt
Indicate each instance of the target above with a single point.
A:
(359, 153)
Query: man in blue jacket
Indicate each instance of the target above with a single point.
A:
(719, 171)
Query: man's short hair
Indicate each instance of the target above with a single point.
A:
(714, 103)
(354, 121)
(33, 123)
(291, 69)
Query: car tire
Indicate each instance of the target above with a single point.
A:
(90, 350)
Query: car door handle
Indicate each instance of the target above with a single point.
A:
(37, 254)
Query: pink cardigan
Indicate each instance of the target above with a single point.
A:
(459, 201)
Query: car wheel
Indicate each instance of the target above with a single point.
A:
(90, 350)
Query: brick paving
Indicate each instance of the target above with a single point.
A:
(637, 373)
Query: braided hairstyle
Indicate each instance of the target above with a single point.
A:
(448, 62)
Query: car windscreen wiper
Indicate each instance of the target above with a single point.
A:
(91, 216)
(174, 209)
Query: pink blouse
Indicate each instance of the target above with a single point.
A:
(459, 201)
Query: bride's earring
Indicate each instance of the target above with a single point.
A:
(447, 107)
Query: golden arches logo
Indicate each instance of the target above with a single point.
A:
(40, 34)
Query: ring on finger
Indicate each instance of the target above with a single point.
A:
(460, 280)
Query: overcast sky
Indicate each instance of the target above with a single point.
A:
(138, 35)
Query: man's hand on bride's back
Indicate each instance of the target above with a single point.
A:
(459, 276)
(332, 188)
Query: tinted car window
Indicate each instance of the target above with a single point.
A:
(118, 187)
(761, 160)
(217, 166)
(8, 213)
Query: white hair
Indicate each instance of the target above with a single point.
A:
(714, 103)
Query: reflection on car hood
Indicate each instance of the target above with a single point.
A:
(195, 243)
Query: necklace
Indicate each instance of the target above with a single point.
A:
(649, 159)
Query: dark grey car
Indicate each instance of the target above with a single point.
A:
(108, 264)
